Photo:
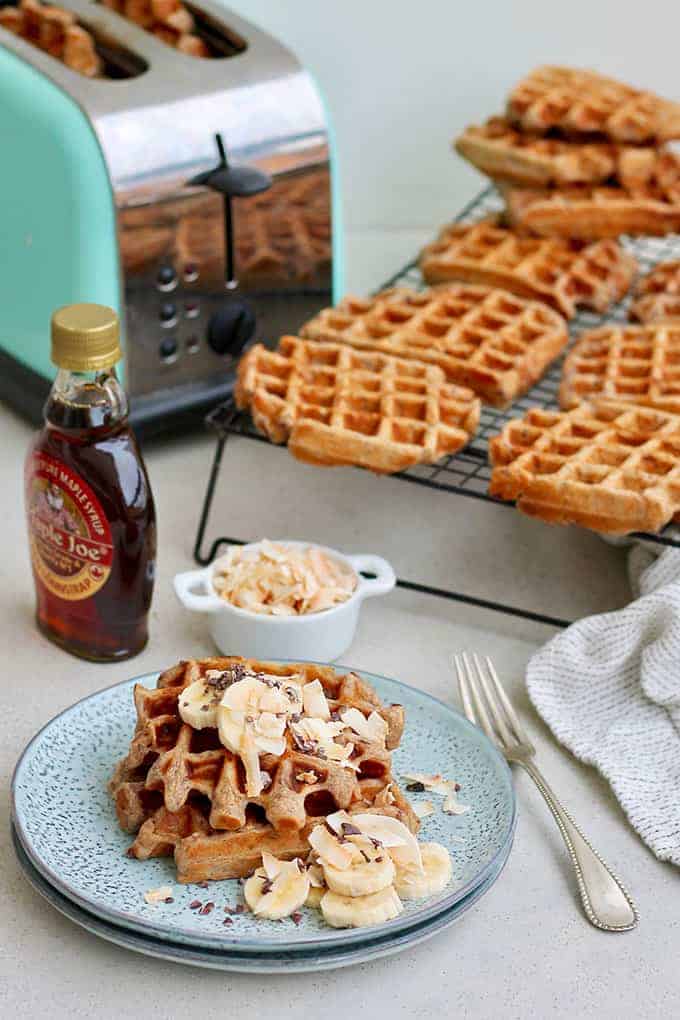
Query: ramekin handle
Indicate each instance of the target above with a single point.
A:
(384, 580)
(201, 601)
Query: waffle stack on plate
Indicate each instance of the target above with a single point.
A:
(578, 155)
(183, 793)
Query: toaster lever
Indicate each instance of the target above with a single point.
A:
(234, 181)
(231, 182)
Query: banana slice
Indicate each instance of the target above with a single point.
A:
(198, 704)
(361, 879)
(412, 884)
(315, 895)
(277, 897)
(360, 911)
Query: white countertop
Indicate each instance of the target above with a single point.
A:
(525, 950)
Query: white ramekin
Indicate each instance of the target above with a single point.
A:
(320, 636)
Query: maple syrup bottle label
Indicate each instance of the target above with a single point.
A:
(70, 537)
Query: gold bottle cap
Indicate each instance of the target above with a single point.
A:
(85, 338)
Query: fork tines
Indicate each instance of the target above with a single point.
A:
(487, 705)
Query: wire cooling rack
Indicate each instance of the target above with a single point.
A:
(466, 473)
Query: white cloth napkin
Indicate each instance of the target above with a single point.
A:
(609, 688)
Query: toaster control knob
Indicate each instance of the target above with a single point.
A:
(231, 327)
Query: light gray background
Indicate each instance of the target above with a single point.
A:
(401, 80)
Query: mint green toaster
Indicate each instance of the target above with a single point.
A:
(198, 196)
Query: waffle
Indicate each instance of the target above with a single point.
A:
(55, 31)
(168, 20)
(606, 465)
(334, 405)
(484, 338)
(576, 102)
(658, 294)
(182, 792)
(636, 364)
(560, 273)
(646, 201)
(221, 855)
(506, 154)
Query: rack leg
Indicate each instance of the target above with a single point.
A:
(201, 559)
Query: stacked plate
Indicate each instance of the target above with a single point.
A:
(71, 849)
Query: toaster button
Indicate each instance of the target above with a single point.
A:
(166, 278)
(168, 314)
(168, 349)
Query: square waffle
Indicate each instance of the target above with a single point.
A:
(658, 294)
(646, 200)
(484, 338)
(563, 274)
(636, 364)
(575, 102)
(501, 151)
(606, 465)
(335, 405)
(55, 31)
(183, 793)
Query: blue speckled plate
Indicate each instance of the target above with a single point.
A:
(67, 827)
(300, 961)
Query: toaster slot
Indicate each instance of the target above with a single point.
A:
(182, 26)
(82, 47)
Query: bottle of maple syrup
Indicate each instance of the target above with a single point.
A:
(91, 518)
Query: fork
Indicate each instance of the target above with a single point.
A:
(606, 903)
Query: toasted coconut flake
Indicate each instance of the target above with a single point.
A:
(271, 865)
(452, 805)
(280, 580)
(448, 788)
(314, 701)
(309, 777)
(372, 728)
(329, 850)
(159, 895)
(393, 834)
(423, 808)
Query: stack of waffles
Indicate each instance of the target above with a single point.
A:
(581, 159)
(169, 20)
(215, 786)
(55, 31)
(578, 155)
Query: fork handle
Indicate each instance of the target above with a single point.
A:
(606, 903)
